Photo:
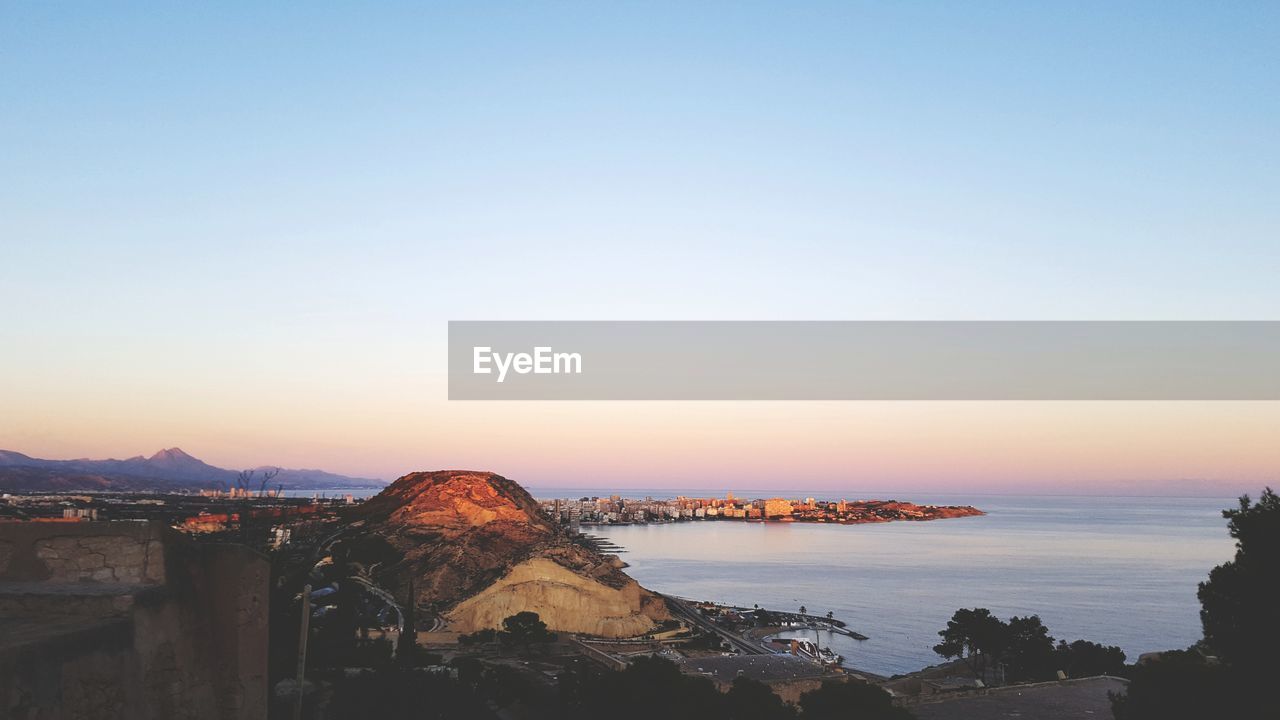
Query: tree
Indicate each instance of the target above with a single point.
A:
(1237, 611)
(650, 687)
(848, 700)
(407, 644)
(333, 637)
(482, 636)
(1239, 600)
(975, 636)
(1086, 659)
(1028, 649)
(267, 475)
(524, 628)
(749, 699)
(1180, 685)
(802, 610)
(401, 694)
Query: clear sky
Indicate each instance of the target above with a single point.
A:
(241, 227)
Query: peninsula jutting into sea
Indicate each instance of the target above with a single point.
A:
(615, 509)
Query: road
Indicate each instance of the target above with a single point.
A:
(323, 546)
(382, 595)
(682, 611)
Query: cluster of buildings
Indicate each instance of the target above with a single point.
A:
(265, 521)
(614, 509)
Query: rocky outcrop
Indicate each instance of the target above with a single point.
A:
(476, 548)
(563, 599)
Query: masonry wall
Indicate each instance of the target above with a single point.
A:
(129, 620)
(63, 552)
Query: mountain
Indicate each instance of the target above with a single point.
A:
(171, 468)
(318, 479)
(476, 547)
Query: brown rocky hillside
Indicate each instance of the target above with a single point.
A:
(479, 549)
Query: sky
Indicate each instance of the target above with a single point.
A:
(241, 228)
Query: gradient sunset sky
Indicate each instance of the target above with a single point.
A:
(241, 228)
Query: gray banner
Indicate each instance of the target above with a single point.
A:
(855, 360)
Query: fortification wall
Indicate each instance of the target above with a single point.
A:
(130, 620)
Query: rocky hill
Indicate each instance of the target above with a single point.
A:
(478, 549)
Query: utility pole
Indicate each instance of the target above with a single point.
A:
(302, 648)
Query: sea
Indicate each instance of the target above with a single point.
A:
(1115, 570)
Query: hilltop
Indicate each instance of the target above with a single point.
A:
(478, 549)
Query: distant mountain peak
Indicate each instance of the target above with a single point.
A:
(171, 467)
(171, 454)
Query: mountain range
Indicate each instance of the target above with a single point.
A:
(170, 469)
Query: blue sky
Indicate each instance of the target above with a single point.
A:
(240, 204)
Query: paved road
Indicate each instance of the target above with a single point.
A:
(382, 595)
(682, 610)
(323, 546)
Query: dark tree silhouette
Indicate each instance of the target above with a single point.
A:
(267, 475)
(1234, 675)
(401, 694)
(1239, 601)
(524, 629)
(848, 700)
(1028, 649)
(407, 645)
(649, 688)
(975, 636)
(1181, 685)
(749, 699)
(1086, 659)
(244, 479)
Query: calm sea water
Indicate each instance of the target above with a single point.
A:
(1121, 571)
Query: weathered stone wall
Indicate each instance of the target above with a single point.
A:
(83, 671)
(178, 630)
(33, 603)
(118, 552)
(102, 558)
(220, 617)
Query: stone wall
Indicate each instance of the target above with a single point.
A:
(178, 629)
(66, 552)
(102, 558)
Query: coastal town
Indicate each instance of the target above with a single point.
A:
(365, 622)
(617, 510)
(344, 595)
